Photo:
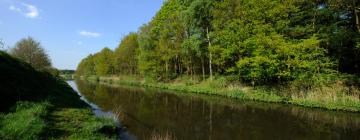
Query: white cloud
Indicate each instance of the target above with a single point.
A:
(27, 10)
(32, 11)
(16, 9)
(89, 34)
(79, 43)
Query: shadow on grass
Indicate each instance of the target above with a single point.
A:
(37, 105)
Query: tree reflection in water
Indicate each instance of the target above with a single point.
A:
(148, 113)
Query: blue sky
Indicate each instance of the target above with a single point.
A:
(70, 30)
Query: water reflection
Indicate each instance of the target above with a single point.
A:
(148, 113)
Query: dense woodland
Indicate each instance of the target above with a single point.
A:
(258, 42)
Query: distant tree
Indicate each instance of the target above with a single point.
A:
(2, 44)
(30, 51)
(104, 62)
(66, 71)
(53, 71)
(86, 67)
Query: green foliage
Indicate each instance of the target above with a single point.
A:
(104, 62)
(271, 59)
(2, 45)
(20, 81)
(101, 63)
(66, 74)
(82, 124)
(257, 42)
(30, 51)
(125, 55)
(149, 61)
(32, 120)
(86, 66)
(26, 123)
(67, 71)
(43, 106)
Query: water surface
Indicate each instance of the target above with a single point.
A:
(145, 113)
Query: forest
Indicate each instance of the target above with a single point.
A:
(292, 43)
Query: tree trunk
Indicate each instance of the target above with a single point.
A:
(357, 17)
(210, 66)
(210, 121)
(192, 71)
(210, 55)
(356, 14)
(175, 67)
(131, 67)
(314, 21)
(187, 69)
(203, 68)
(166, 69)
(180, 68)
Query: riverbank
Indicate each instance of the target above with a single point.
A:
(43, 120)
(38, 105)
(332, 97)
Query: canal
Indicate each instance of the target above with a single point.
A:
(152, 113)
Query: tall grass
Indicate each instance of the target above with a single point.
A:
(336, 96)
(162, 136)
(26, 122)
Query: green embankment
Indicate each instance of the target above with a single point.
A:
(36, 105)
(332, 97)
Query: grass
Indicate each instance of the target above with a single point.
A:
(27, 122)
(332, 97)
(81, 124)
(37, 105)
(41, 120)
(162, 136)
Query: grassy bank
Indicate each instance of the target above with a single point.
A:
(40, 120)
(37, 105)
(332, 97)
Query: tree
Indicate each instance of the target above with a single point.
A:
(30, 51)
(104, 62)
(86, 67)
(2, 44)
(171, 36)
(160, 43)
(191, 51)
(125, 55)
(256, 41)
(200, 13)
(148, 58)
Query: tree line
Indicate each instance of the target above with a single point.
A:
(253, 41)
